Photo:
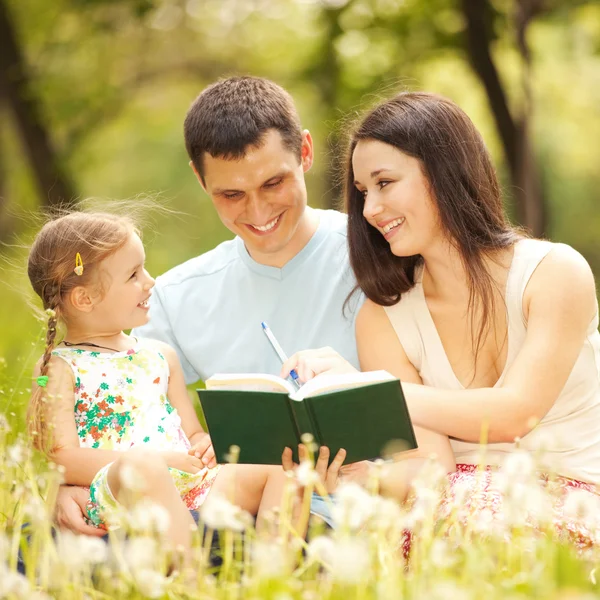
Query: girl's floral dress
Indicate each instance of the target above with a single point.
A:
(121, 403)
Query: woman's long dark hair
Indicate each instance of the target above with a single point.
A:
(463, 186)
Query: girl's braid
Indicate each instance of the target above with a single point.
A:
(52, 307)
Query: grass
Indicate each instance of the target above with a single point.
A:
(459, 556)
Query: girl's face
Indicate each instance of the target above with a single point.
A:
(127, 285)
(397, 199)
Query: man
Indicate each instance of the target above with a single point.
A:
(288, 264)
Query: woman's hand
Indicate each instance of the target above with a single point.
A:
(310, 363)
(71, 508)
(183, 461)
(202, 448)
(329, 476)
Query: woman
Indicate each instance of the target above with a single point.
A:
(493, 334)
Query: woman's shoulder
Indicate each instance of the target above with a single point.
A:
(563, 275)
(562, 261)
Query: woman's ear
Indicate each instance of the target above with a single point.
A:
(81, 299)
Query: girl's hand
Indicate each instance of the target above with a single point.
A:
(202, 448)
(310, 363)
(183, 461)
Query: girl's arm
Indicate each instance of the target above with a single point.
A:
(81, 464)
(558, 305)
(379, 348)
(180, 399)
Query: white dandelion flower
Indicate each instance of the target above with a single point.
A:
(321, 548)
(518, 465)
(151, 583)
(306, 474)
(269, 559)
(149, 516)
(350, 561)
(353, 507)
(218, 513)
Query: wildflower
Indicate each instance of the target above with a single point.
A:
(13, 585)
(353, 507)
(149, 516)
(386, 514)
(519, 465)
(306, 474)
(16, 454)
(4, 424)
(141, 553)
(321, 548)
(218, 513)
(80, 550)
(151, 583)
(131, 479)
(350, 560)
(269, 559)
(581, 505)
(440, 555)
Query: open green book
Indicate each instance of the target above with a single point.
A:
(365, 413)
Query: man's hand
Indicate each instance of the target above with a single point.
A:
(71, 506)
(329, 476)
(202, 448)
(310, 363)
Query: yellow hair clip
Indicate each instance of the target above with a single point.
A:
(78, 265)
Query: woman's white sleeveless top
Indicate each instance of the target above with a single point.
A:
(569, 434)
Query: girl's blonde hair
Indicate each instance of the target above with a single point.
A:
(51, 267)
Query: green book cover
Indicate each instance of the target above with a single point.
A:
(364, 413)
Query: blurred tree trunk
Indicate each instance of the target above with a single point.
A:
(326, 75)
(53, 185)
(513, 130)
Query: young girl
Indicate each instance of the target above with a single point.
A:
(111, 409)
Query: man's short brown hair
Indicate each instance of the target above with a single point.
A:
(233, 114)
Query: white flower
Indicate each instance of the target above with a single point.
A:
(518, 465)
(141, 553)
(269, 559)
(16, 454)
(353, 506)
(149, 516)
(321, 548)
(151, 583)
(386, 514)
(582, 505)
(440, 555)
(13, 585)
(306, 474)
(130, 478)
(218, 513)
(350, 560)
(79, 550)
(4, 424)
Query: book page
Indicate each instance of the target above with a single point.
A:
(325, 383)
(251, 382)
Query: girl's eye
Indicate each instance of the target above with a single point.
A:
(363, 193)
(383, 183)
(134, 274)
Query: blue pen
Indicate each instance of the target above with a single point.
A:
(280, 352)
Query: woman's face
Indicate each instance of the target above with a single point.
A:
(397, 199)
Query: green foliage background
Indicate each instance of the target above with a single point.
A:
(114, 79)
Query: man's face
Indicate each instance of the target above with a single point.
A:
(262, 196)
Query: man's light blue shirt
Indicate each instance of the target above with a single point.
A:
(210, 308)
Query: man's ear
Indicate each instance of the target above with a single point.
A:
(198, 176)
(306, 151)
(81, 299)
